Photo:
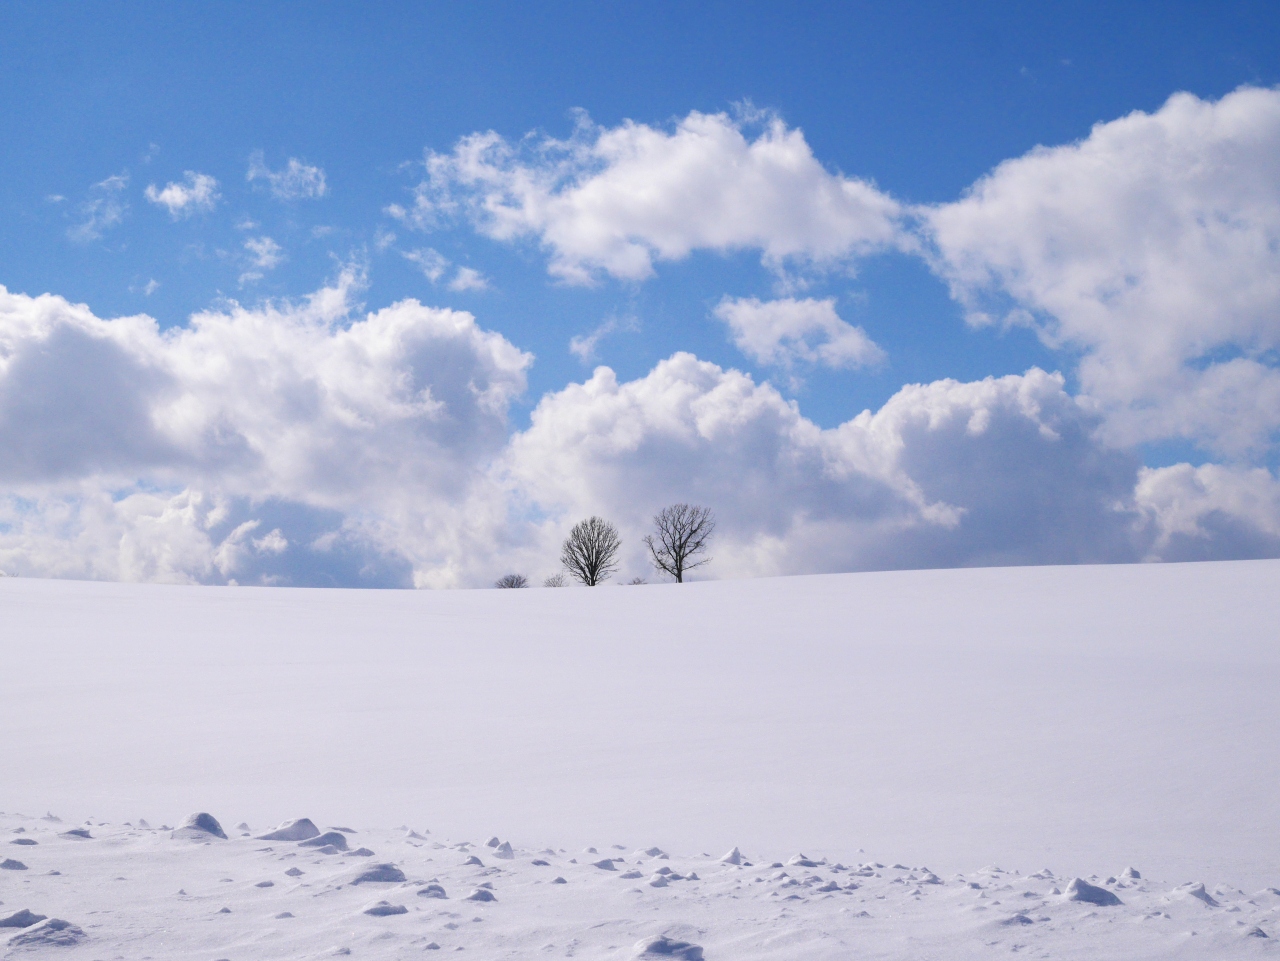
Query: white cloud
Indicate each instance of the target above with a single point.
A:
(1197, 509)
(430, 261)
(1152, 247)
(105, 208)
(434, 265)
(197, 193)
(1002, 471)
(614, 200)
(297, 416)
(789, 331)
(468, 279)
(583, 346)
(273, 543)
(264, 254)
(306, 443)
(297, 181)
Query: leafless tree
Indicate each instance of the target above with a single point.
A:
(512, 580)
(680, 542)
(590, 552)
(555, 580)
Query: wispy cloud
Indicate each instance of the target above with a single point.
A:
(196, 193)
(430, 261)
(297, 181)
(264, 254)
(104, 209)
(434, 265)
(468, 279)
(583, 346)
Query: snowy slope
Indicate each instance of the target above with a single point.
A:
(1079, 718)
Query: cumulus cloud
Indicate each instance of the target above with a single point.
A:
(789, 331)
(297, 181)
(1152, 248)
(197, 193)
(105, 208)
(1195, 510)
(1002, 471)
(304, 442)
(615, 200)
(377, 430)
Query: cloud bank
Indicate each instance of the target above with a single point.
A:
(308, 443)
(314, 442)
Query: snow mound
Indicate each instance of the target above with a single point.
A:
(504, 851)
(299, 829)
(384, 909)
(1081, 890)
(1130, 874)
(27, 841)
(480, 894)
(53, 932)
(74, 833)
(379, 874)
(733, 857)
(473, 860)
(334, 838)
(1198, 892)
(9, 864)
(294, 872)
(200, 827)
(432, 891)
(22, 919)
(661, 946)
(604, 864)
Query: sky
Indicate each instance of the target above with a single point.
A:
(329, 295)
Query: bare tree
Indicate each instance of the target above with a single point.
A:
(590, 552)
(555, 580)
(680, 542)
(512, 580)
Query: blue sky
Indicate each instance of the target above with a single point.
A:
(104, 109)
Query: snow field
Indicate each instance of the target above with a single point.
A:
(1084, 718)
(129, 891)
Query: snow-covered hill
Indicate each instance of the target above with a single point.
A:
(1083, 719)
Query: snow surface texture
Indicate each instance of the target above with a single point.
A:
(1086, 718)
(132, 890)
